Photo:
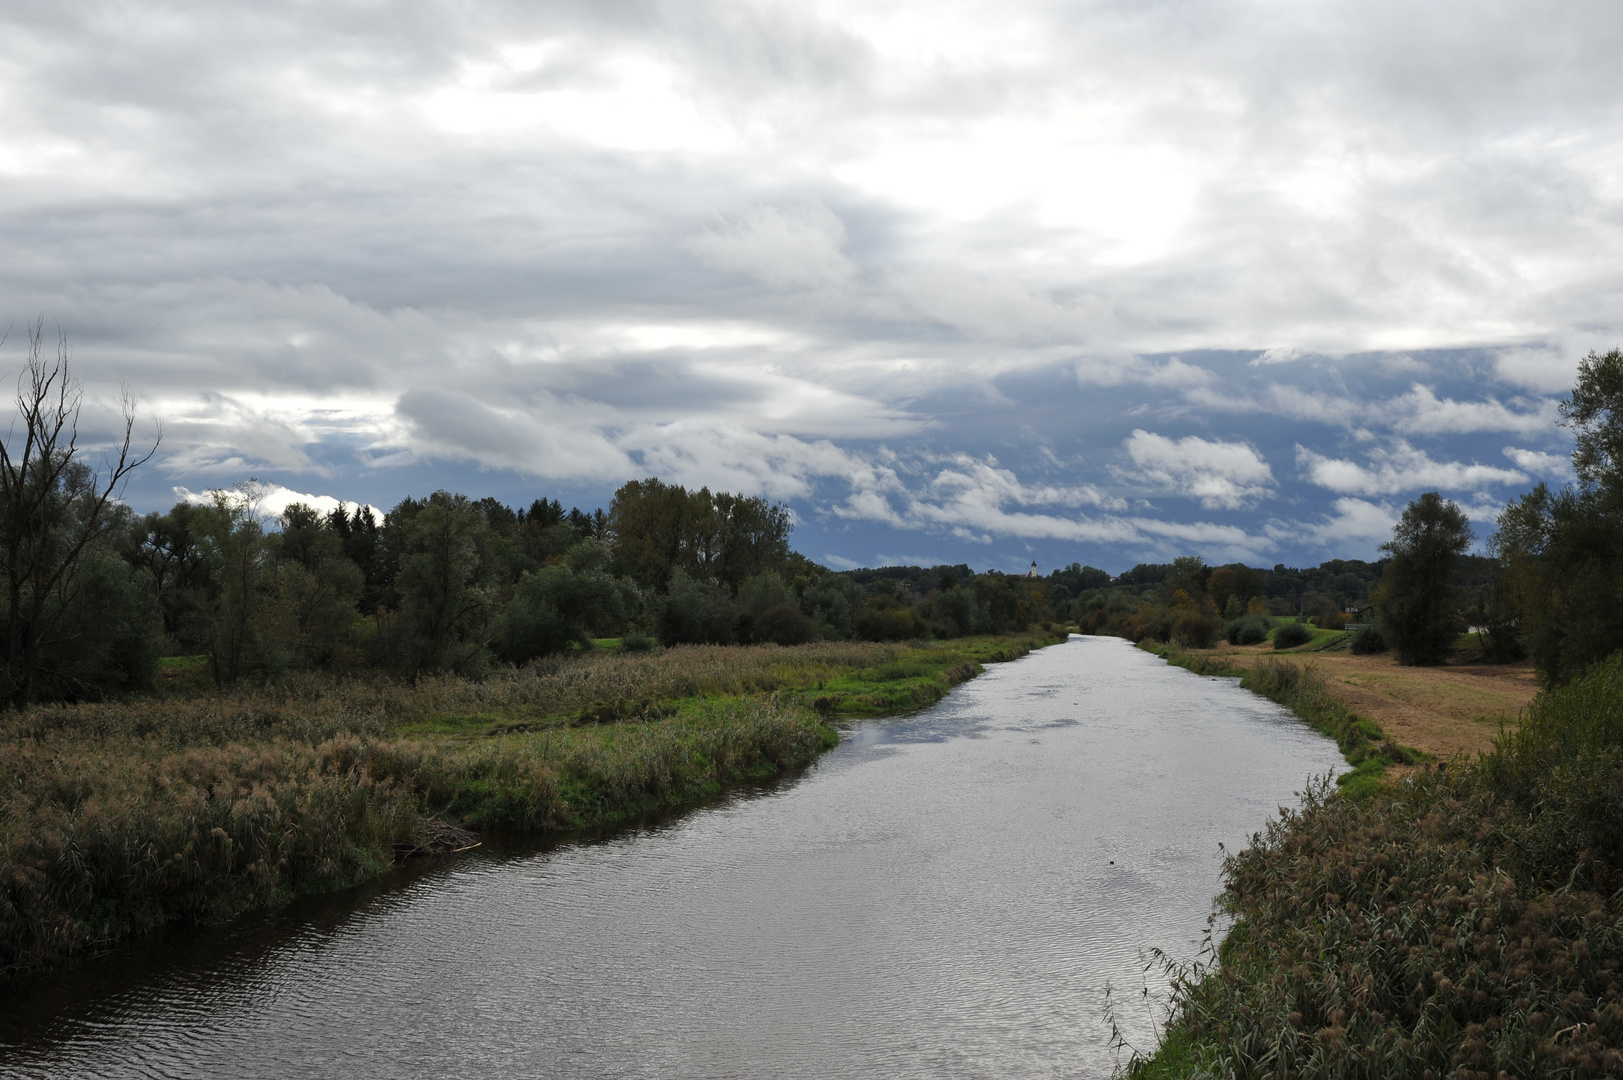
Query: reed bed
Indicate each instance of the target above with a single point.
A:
(118, 817)
(103, 839)
(1465, 923)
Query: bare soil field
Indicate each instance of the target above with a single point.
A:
(1454, 709)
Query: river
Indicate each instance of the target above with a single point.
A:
(946, 894)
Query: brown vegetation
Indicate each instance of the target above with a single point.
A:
(1442, 711)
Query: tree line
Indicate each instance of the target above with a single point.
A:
(1550, 587)
(97, 594)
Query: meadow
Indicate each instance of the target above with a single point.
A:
(120, 817)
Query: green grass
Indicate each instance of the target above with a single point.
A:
(1198, 661)
(1360, 740)
(1321, 639)
(185, 674)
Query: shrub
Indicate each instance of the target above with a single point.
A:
(890, 624)
(1330, 620)
(1292, 634)
(1249, 629)
(1463, 923)
(636, 641)
(784, 625)
(1195, 630)
(1367, 639)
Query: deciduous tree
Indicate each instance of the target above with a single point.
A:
(1416, 605)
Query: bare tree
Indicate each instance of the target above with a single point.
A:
(53, 506)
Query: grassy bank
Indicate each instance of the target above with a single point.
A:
(1303, 690)
(1467, 922)
(120, 817)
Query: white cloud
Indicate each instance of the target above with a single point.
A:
(1538, 463)
(545, 436)
(1221, 475)
(735, 458)
(1421, 412)
(1127, 370)
(1357, 520)
(735, 241)
(1547, 370)
(268, 501)
(1282, 399)
(1397, 469)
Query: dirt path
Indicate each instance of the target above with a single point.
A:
(1442, 710)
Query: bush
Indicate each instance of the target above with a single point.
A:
(1367, 639)
(784, 625)
(1195, 630)
(1249, 630)
(1463, 923)
(1292, 634)
(636, 641)
(1330, 620)
(890, 624)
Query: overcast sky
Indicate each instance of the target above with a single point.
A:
(1097, 282)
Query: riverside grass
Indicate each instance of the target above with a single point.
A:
(1466, 922)
(117, 818)
(1303, 690)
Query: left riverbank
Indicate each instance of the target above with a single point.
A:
(117, 818)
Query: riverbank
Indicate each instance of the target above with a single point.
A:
(1412, 714)
(1464, 922)
(125, 816)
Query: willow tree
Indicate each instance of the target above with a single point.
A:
(55, 510)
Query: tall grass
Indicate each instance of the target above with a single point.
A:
(1302, 689)
(1466, 923)
(118, 817)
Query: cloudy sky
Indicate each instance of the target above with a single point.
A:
(1097, 282)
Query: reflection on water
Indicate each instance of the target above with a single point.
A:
(947, 893)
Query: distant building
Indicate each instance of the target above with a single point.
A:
(1033, 571)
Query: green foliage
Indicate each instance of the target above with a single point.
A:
(1561, 587)
(1417, 605)
(661, 528)
(1594, 413)
(1291, 634)
(563, 605)
(635, 641)
(694, 612)
(784, 625)
(1367, 639)
(1464, 923)
(1563, 555)
(57, 518)
(444, 611)
(1248, 630)
(124, 816)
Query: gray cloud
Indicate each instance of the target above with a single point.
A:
(742, 242)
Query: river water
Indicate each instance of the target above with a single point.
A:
(947, 894)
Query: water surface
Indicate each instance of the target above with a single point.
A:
(947, 894)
